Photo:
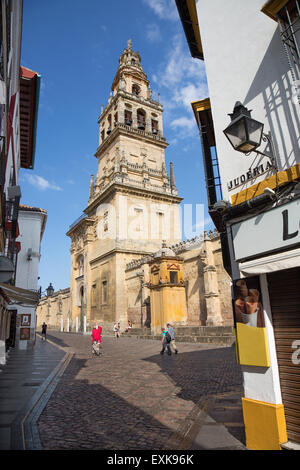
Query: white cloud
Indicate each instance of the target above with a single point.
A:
(41, 183)
(183, 122)
(181, 80)
(153, 32)
(164, 9)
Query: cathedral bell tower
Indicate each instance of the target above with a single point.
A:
(133, 203)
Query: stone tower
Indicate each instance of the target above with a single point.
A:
(133, 203)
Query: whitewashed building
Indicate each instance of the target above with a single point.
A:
(252, 162)
(32, 222)
(19, 99)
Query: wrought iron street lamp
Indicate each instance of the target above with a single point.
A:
(50, 290)
(245, 134)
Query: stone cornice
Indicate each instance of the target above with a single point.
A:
(82, 222)
(130, 97)
(123, 129)
(133, 190)
(118, 250)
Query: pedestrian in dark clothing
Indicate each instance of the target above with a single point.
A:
(44, 331)
(166, 339)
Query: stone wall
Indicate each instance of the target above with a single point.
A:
(208, 292)
(52, 310)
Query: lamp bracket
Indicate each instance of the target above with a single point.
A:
(272, 155)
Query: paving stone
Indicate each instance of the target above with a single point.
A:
(131, 397)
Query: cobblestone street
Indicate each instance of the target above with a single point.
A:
(133, 398)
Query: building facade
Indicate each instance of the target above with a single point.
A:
(19, 99)
(133, 203)
(254, 197)
(133, 210)
(32, 222)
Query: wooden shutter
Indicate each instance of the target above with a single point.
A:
(284, 290)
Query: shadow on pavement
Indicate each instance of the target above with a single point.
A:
(81, 415)
(208, 372)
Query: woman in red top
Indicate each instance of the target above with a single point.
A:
(96, 334)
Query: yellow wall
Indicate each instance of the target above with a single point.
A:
(265, 425)
(252, 345)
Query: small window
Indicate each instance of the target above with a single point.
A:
(136, 90)
(141, 119)
(173, 277)
(94, 295)
(154, 125)
(105, 221)
(128, 117)
(104, 292)
(80, 265)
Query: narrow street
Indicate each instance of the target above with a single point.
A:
(132, 398)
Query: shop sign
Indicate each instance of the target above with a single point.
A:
(250, 175)
(275, 230)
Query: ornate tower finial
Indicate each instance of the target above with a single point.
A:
(129, 44)
(172, 177)
(92, 186)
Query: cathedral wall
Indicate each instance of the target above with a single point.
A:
(195, 290)
(224, 284)
(52, 310)
(102, 290)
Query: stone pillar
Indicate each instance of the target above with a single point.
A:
(213, 304)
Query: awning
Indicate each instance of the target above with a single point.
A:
(24, 297)
(269, 264)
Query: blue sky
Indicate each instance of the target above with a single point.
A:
(75, 47)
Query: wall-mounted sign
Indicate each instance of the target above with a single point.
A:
(247, 304)
(24, 333)
(251, 336)
(250, 175)
(25, 319)
(271, 231)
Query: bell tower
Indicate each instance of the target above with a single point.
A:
(133, 203)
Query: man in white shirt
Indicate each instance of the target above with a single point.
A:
(172, 334)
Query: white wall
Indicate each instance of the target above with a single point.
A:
(245, 61)
(30, 224)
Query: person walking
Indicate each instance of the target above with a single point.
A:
(166, 339)
(96, 339)
(172, 334)
(44, 331)
(117, 329)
